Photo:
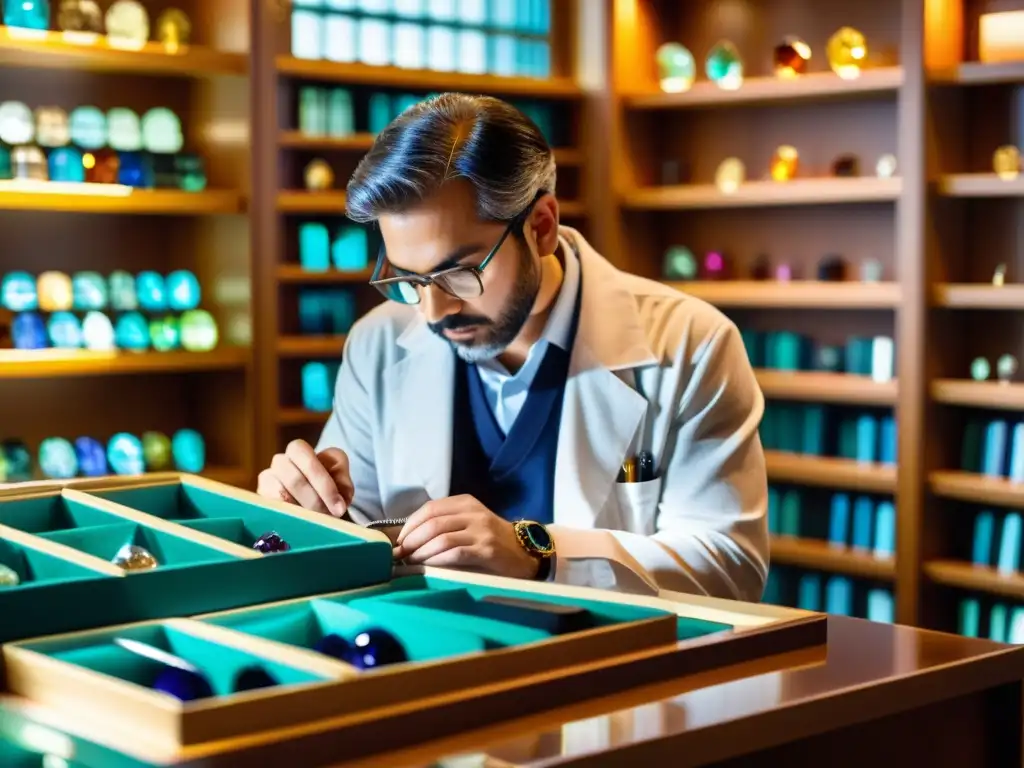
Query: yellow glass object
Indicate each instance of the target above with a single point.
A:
(730, 174)
(319, 175)
(1006, 162)
(173, 29)
(885, 168)
(791, 57)
(785, 161)
(55, 292)
(847, 50)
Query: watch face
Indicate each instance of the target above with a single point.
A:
(538, 536)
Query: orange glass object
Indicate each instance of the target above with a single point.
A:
(785, 162)
(101, 167)
(791, 57)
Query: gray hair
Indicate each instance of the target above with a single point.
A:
(484, 140)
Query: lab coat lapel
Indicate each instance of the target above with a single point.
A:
(602, 413)
(418, 435)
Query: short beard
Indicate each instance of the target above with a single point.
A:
(503, 331)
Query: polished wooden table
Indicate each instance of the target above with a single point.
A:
(878, 695)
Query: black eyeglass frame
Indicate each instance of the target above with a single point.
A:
(432, 278)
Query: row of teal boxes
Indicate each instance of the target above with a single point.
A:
(994, 448)
(863, 522)
(867, 435)
(340, 112)
(830, 593)
(529, 17)
(63, 553)
(788, 351)
(348, 38)
(996, 541)
(983, 616)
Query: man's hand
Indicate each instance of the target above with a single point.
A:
(460, 532)
(316, 481)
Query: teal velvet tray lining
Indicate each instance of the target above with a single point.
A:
(432, 619)
(100, 533)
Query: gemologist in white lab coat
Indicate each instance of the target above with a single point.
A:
(522, 406)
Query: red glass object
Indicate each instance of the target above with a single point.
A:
(101, 167)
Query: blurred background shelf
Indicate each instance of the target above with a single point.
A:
(815, 86)
(137, 201)
(824, 387)
(978, 296)
(830, 472)
(764, 193)
(58, 363)
(808, 294)
(55, 51)
(830, 558)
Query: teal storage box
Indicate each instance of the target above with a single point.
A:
(62, 543)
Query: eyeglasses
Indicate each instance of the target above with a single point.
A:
(464, 282)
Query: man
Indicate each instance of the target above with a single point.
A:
(532, 411)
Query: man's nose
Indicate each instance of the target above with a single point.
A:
(436, 304)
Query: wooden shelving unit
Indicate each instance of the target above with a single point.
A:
(972, 226)
(104, 228)
(281, 201)
(666, 149)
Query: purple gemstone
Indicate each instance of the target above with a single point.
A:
(271, 542)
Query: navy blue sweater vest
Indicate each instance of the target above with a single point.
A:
(513, 475)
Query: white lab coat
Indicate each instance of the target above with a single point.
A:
(650, 368)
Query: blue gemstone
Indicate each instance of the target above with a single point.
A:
(152, 291)
(124, 452)
(65, 331)
(271, 542)
(132, 332)
(136, 170)
(182, 684)
(29, 331)
(92, 459)
(122, 291)
(28, 14)
(89, 290)
(334, 646)
(189, 451)
(18, 292)
(183, 292)
(66, 165)
(375, 648)
(57, 459)
(252, 678)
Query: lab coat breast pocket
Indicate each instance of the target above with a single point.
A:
(638, 505)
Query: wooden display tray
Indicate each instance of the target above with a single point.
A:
(62, 536)
(474, 688)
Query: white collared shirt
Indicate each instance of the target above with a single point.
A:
(506, 392)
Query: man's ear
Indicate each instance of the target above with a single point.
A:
(544, 222)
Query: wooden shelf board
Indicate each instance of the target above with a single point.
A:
(310, 346)
(980, 185)
(1006, 396)
(977, 578)
(428, 80)
(571, 209)
(978, 296)
(236, 476)
(815, 86)
(361, 142)
(980, 73)
(60, 363)
(139, 201)
(975, 488)
(801, 294)
(823, 556)
(54, 51)
(752, 194)
(295, 417)
(823, 387)
(293, 273)
(302, 201)
(830, 472)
